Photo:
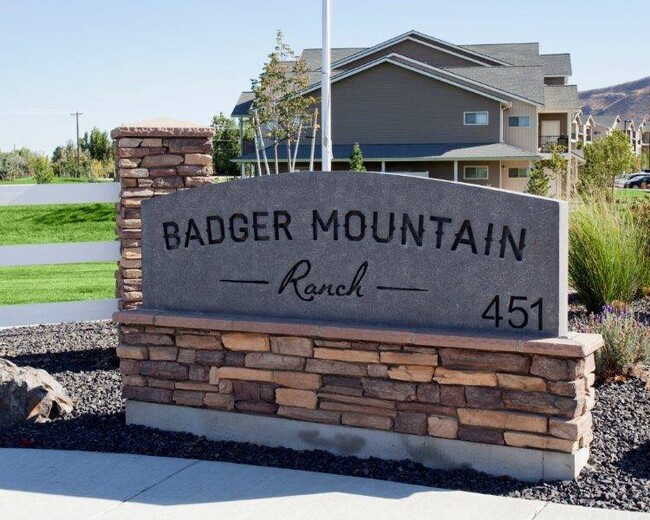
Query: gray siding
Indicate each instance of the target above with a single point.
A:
(388, 104)
(417, 51)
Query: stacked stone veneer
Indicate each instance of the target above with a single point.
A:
(154, 158)
(539, 397)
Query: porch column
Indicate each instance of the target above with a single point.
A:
(500, 174)
(383, 166)
(455, 171)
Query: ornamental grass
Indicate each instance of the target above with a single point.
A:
(609, 258)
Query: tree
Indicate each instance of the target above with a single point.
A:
(98, 145)
(15, 164)
(539, 182)
(41, 169)
(356, 159)
(279, 109)
(64, 161)
(225, 145)
(605, 159)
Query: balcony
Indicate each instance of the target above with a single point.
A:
(546, 142)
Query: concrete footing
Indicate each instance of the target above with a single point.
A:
(520, 463)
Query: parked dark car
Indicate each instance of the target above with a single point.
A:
(638, 181)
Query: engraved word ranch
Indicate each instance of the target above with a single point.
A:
(366, 248)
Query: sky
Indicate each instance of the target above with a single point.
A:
(123, 61)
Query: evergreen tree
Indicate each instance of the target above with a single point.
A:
(41, 169)
(539, 182)
(225, 145)
(356, 159)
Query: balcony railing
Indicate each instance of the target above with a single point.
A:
(546, 142)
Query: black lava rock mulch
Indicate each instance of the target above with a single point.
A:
(82, 357)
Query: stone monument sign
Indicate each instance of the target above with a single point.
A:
(360, 248)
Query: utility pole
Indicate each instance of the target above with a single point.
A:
(76, 115)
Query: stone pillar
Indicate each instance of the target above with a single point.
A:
(154, 157)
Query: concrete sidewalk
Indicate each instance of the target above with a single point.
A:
(69, 485)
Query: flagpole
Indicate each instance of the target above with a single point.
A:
(326, 102)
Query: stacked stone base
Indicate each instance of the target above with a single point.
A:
(155, 158)
(492, 393)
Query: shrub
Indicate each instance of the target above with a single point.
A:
(41, 169)
(627, 341)
(356, 159)
(608, 257)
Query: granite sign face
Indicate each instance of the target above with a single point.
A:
(360, 248)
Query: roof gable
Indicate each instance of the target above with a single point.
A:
(434, 73)
(422, 39)
(525, 83)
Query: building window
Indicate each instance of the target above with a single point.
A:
(517, 173)
(519, 121)
(475, 172)
(476, 118)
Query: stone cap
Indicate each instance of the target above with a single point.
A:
(162, 127)
(576, 345)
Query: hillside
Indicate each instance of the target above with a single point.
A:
(630, 100)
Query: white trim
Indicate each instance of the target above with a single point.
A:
(67, 253)
(409, 36)
(487, 114)
(59, 312)
(519, 126)
(487, 168)
(59, 193)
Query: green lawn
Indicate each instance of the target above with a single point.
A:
(57, 180)
(56, 283)
(57, 223)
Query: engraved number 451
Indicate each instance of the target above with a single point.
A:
(518, 313)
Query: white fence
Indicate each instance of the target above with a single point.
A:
(68, 253)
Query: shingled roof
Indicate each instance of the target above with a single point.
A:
(556, 64)
(561, 97)
(524, 82)
(520, 54)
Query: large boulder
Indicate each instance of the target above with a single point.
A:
(30, 395)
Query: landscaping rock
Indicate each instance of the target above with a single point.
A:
(81, 356)
(30, 395)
